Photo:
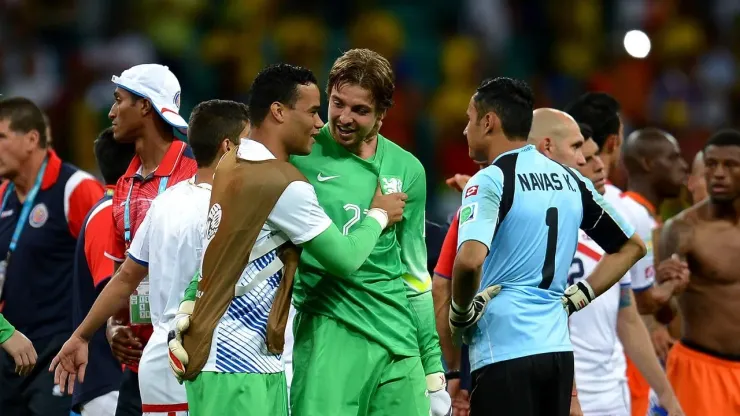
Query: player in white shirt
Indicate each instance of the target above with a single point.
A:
(168, 247)
(599, 331)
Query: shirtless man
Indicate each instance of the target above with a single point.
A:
(704, 367)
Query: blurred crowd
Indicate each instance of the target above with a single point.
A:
(62, 53)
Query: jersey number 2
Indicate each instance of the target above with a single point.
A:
(548, 268)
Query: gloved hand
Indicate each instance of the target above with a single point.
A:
(178, 356)
(577, 297)
(461, 321)
(441, 403)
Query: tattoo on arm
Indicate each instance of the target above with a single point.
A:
(674, 238)
(624, 296)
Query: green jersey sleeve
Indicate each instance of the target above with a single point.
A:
(411, 237)
(6, 329)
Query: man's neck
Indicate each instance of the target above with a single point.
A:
(366, 148)
(504, 146)
(151, 150)
(726, 210)
(26, 177)
(270, 141)
(643, 187)
(205, 175)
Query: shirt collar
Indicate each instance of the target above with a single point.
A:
(203, 185)
(253, 151)
(53, 167)
(642, 201)
(524, 148)
(166, 166)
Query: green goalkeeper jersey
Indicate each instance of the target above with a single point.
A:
(372, 300)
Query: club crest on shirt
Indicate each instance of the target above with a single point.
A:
(468, 213)
(39, 215)
(214, 220)
(390, 184)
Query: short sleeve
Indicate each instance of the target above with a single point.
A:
(116, 247)
(298, 214)
(139, 249)
(643, 272)
(449, 250)
(478, 214)
(607, 227)
(81, 193)
(626, 280)
(96, 232)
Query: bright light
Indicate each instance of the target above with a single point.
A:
(637, 44)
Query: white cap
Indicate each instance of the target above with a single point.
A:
(160, 86)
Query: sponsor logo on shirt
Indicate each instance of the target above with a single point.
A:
(6, 214)
(39, 216)
(468, 213)
(473, 190)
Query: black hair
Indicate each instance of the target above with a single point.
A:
(24, 116)
(210, 123)
(725, 137)
(600, 111)
(113, 157)
(511, 100)
(276, 83)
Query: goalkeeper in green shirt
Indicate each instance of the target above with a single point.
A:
(365, 343)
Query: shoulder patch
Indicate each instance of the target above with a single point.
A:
(214, 220)
(473, 190)
(468, 213)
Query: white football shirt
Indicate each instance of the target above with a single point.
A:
(169, 242)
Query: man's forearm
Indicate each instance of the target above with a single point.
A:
(111, 300)
(638, 346)
(465, 283)
(612, 267)
(341, 255)
(442, 293)
(431, 355)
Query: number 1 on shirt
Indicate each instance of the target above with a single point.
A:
(548, 268)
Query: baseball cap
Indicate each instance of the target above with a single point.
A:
(160, 86)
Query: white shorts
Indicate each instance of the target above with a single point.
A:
(160, 391)
(288, 349)
(607, 403)
(104, 405)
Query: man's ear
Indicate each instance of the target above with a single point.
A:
(491, 123)
(146, 106)
(610, 144)
(278, 111)
(226, 145)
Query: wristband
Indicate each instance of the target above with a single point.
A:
(379, 215)
(465, 313)
(451, 375)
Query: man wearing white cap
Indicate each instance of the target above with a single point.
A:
(145, 111)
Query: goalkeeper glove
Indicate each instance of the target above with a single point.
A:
(577, 296)
(178, 356)
(441, 403)
(461, 321)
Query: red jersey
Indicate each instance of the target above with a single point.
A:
(138, 192)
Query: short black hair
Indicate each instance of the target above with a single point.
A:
(586, 131)
(725, 137)
(276, 83)
(512, 101)
(600, 111)
(210, 123)
(113, 157)
(24, 116)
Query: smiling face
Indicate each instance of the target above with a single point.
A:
(352, 114)
(302, 120)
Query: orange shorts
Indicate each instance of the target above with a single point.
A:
(704, 384)
(639, 390)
